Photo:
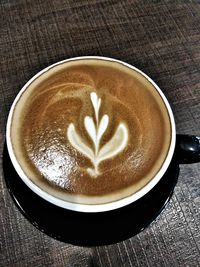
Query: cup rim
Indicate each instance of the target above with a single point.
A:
(92, 208)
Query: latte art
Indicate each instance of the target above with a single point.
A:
(96, 130)
(90, 131)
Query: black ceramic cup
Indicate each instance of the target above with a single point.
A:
(98, 224)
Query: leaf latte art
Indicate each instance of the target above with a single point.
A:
(90, 131)
(95, 130)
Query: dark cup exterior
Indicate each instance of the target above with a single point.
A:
(187, 149)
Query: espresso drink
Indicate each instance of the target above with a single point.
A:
(90, 131)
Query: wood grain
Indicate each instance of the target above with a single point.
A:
(159, 37)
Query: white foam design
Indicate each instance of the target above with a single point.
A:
(96, 130)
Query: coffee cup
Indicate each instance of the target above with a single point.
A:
(93, 134)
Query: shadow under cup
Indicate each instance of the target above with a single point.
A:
(94, 205)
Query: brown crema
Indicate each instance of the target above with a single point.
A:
(61, 96)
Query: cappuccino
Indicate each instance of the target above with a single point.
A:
(90, 131)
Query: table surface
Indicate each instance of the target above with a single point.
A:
(162, 38)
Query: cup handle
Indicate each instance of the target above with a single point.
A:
(187, 149)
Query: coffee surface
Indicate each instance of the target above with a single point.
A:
(91, 131)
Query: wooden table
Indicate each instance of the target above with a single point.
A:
(161, 38)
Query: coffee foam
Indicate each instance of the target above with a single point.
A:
(55, 107)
